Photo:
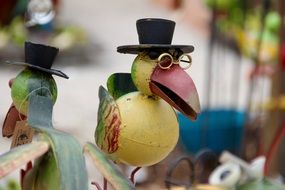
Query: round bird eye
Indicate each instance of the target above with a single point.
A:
(153, 54)
(165, 61)
(185, 61)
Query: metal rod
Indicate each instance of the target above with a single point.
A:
(132, 178)
(96, 185)
(105, 185)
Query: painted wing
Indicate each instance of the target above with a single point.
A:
(120, 84)
(21, 155)
(107, 168)
(109, 122)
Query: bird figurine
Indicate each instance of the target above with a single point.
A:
(36, 75)
(58, 159)
(55, 153)
(137, 124)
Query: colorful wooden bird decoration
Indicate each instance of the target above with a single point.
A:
(137, 124)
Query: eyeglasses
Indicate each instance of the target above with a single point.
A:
(165, 61)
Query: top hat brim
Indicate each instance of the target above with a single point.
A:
(51, 71)
(135, 49)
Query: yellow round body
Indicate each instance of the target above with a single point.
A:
(149, 129)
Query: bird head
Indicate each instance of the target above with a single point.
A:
(162, 73)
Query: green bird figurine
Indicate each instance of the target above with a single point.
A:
(56, 154)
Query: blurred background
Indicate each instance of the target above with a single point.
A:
(238, 66)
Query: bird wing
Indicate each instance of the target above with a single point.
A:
(109, 121)
(120, 84)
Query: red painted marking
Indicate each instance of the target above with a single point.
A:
(113, 146)
(111, 109)
(112, 133)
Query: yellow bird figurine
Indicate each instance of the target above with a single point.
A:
(137, 124)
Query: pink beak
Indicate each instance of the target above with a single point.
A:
(177, 88)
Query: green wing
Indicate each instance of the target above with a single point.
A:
(21, 155)
(109, 122)
(120, 84)
(107, 168)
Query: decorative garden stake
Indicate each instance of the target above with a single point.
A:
(59, 163)
(136, 122)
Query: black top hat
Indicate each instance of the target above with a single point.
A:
(154, 33)
(40, 57)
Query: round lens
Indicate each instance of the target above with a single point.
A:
(165, 61)
(185, 61)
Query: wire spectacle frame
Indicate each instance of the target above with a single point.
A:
(165, 61)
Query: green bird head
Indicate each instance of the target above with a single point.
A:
(31, 81)
(36, 77)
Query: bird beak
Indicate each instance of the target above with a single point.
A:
(177, 88)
